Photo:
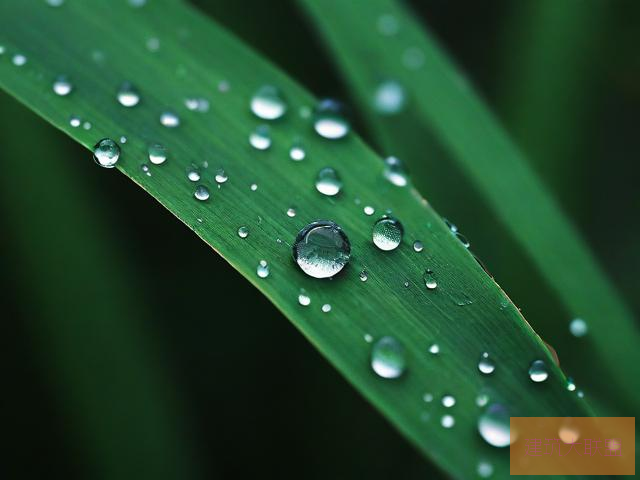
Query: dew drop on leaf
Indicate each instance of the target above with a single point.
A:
(193, 173)
(387, 358)
(267, 103)
(243, 232)
(128, 95)
(169, 119)
(157, 153)
(297, 152)
(329, 120)
(434, 349)
(538, 371)
(19, 60)
(364, 276)
(221, 176)
(486, 365)
(303, 298)
(430, 280)
(321, 249)
(106, 153)
(387, 233)
(418, 246)
(578, 327)
(260, 138)
(448, 401)
(291, 212)
(447, 421)
(328, 182)
(394, 171)
(62, 86)
(201, 193)
(75, 121)
(571, 386)
(369, 210)
(493, 426)
(389, 98)
(263, 269)
(326, 308)
(484, 469)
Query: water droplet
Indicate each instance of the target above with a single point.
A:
(580, 394)
(482, 399)
(169, 119)
(19, 60)
(2, 49)
(128, 95)
(493, 426)
(253, 187)
(243, 232)
(328, 182)
(198, 104)
(329, 121)
(321, 249)
(221, 176)
(62, 86)
(86, 125)
(106, 153)
(153, 44)
(260, 138)
(157, 153)
(427, 397)
(326, 308)
(291, 212)
(201, 193)
(123, 139)
(193, 173)
(368, 210)
(55, 3)
(387, 233)
(448, 401)
(75, 121)
(304, 299)
(387, 358)
(578, 327)
(571, 386)
(463, 239)
(452, 227)
(297, 152)
(406, 284)
(267, 103)
(486, 365)
(137, 3)
(447, 421)
(430, 280)
(538, 371)
(388, 25)
(484, 469)
(394, 171)
(263, 269)
(368, 338)
(434, 349)
(418, 246)
(389, 98)
(413, 58)
(364, 276)
(145, 169)
(224, 86)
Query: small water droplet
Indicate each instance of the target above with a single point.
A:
(486, 365)
(369, 210)
(328, 182)
(303, 298)
(389, 98)
(297, 152)
(253, 187)
(153, 44)
(430, 280)
(493, 426)
(326, 308)
(221, 176)
(321, 249)
(427, 397)
(224, 86)
(137, 3)
(19, 60)
(145, 169)
(2, 49)
(364, 276)
(329, 120)
(243, 232)
(193, 173)
(463, 239)
(447, 421)
(484, 469)
(55, 3)
(418, 246)
(201, 193)
(406, 284)
(128, 95)
(368, 338)
(157, 153)
(197, 104)
(538, 371)
(260, 138)
(578, 327)
(169, 119)
(434, 349)
(452, 227)
(388, 24)
(86, 125)
(571, 386)
(394, 171)
(123, 139)
(267, 103)
(291, 212)
(413, 58)
(263, 269)
(387, 233)
(448, 401)
(580, 394)
(62, 86)
(387, 358)
(106, 153)
(75, 121)
(482, 399)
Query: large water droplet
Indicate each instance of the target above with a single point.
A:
(329, 121)
(106, 153)
(394, 171)
(260, 138)
(201, 193)
(328, 182)
(267, 103)
(578, 327)
(157, 154)
(387, 358)
(486, 365)
(387, 233)
(128, 95)
(538, 371)
(389, 98)
(62, 86)
(263, 269)
(493, 426)
(321, 249)
(430, 280)
(169, 119)
(448, 401)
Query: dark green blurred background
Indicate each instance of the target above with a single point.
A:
(125, 337)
